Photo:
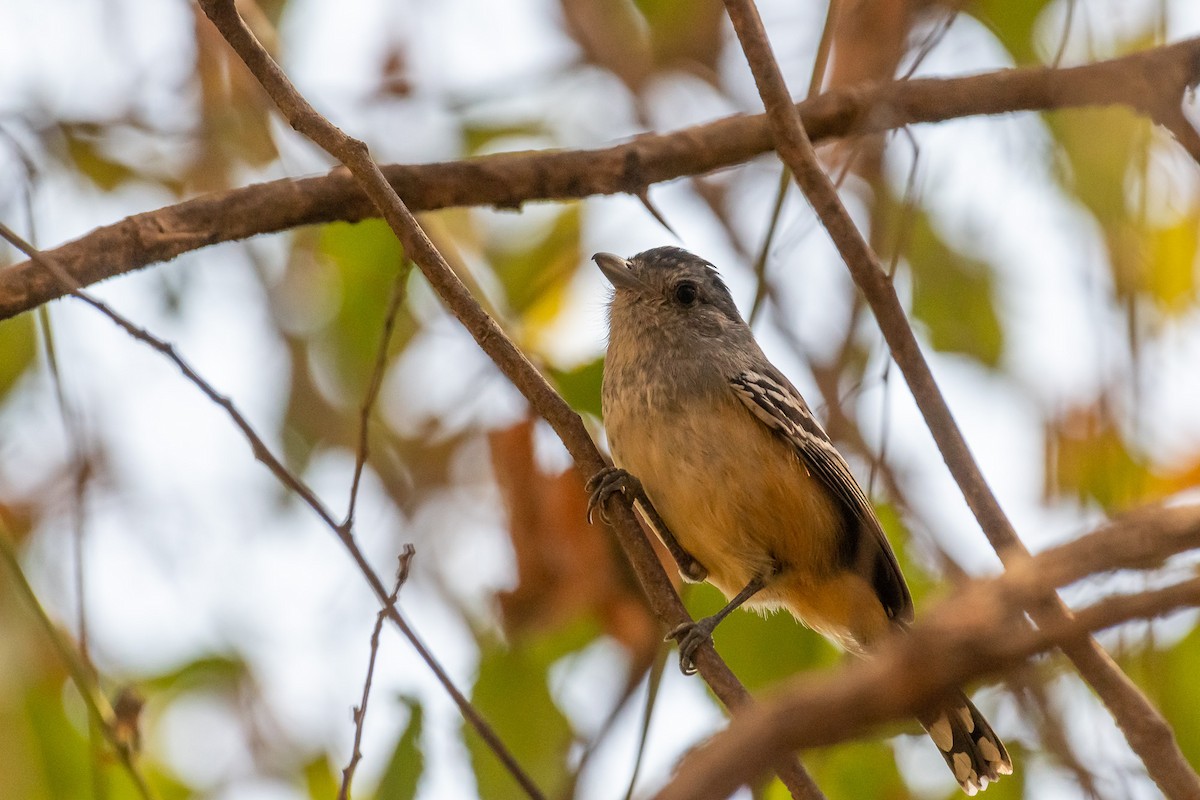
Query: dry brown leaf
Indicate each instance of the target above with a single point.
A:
(566, 567)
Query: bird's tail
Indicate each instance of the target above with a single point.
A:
(971, 748)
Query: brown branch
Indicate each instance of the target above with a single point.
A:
(360, 712)
(1152, 82)
(493, 341)
(975, 632)
(1144, 727)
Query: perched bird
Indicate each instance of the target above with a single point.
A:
(738, 478)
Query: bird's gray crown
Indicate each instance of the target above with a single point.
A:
(661, 271)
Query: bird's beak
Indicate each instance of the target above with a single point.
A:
(616, 269)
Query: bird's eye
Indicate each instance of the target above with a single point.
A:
(686, 293)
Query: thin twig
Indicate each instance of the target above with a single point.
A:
(1066, 35)
(399, 292)
(815, 82)
(1151, 82)
(285, 476)
(654, 678)
(360, 712)
(493, 341)
(1145, 728)
(99, 710)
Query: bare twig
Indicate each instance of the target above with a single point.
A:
(1144, 726)
(285, 476)
(399, 292)
(100, 711)
(360, 712)
(971, 634)
(1152, 82)
(815, 82)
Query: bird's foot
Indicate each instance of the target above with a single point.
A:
(690, 637)
(606, 483)
(613, 480)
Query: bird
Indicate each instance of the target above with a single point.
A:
(740, 481)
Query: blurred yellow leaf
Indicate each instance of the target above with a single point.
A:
(685, 34)
(1013, 22)
(18, 346)
(535, 278)
(84, 146)
(1173, 264)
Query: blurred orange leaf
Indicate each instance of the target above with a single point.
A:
(1087, 456)
(566, 568)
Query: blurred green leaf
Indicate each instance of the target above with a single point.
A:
(535, 277)
(18, 346)
(580, 386)
(1013, 22)
(761, 650)
(1099, 146)
(366, 257)
(513, 693)
(320, 779)
(953, 294)
(920, 583)
(1169, 678)
(404, 768)
(208, 672)
(857, 769)
(1105, 151)
(60, 750)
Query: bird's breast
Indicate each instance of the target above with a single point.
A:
(734, 493)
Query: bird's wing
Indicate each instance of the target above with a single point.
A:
(778, 405)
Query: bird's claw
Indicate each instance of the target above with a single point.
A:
(690, 637)
(603, 485)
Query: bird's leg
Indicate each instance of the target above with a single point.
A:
(612, 480)
(691, 635)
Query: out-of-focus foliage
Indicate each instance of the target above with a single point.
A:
(541, 596)
(17, 350)
(953, 294)
(403, 772)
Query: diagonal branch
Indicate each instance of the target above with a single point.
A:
(493, 341)
(975, 632)
(1152, 82)
(1144, 727)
